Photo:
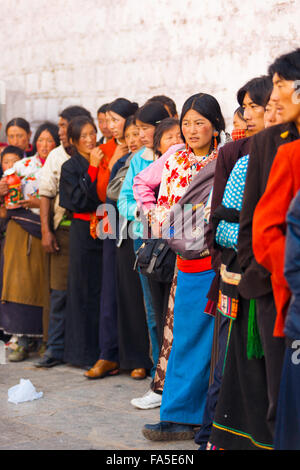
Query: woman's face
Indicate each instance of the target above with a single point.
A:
(132, 138)
(146, 132)
(116, 124)
(87, 140)
(238, 122)
(169, 138)
(18, 137)
(8, 161)
(197, 131)
(271, 116)
(44, 144)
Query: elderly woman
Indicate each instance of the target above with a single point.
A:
(24, 292)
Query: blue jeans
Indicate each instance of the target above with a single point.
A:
(150, 313)
(56, 329)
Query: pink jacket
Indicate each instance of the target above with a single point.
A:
(147, 181)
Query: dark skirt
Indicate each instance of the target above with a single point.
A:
(21, 320)
(134, 344)
(83, 296)
(240, 421)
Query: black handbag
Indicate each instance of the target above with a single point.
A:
(156, 260)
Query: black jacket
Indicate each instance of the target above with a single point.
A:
(77, 192)
(255, 280)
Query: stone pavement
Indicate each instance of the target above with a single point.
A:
(76, 413)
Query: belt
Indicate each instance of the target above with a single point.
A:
(82, 216)
(194, 265)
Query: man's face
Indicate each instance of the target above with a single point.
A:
(253, 115)
(286, 99)
(62, 131)
(103, 127)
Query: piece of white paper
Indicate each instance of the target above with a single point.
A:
(22, 392)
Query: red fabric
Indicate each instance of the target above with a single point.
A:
(194, 265)
(104, 173)
(269, 224)
(82, 216)
(93, 172)
(237, 134)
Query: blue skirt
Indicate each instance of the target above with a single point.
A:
(188, 370)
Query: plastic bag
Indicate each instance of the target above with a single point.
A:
(24, 391)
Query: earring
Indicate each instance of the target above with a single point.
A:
(216, 133)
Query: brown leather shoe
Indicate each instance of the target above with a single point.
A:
(101, 369)
(138, 374)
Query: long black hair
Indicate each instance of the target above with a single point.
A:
(75, 127)
(287, 66)
(19, 122)
(259, 89)
(208, 107)
(51, 128)
(71, 112)
(152, 113)
(123, 107)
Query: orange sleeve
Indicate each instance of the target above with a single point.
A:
(104, 173)
(269, 221)
(102, 182)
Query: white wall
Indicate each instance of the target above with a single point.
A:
(60, 52)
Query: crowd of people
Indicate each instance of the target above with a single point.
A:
(215, 320)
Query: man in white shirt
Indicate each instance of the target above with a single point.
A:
(55, 225)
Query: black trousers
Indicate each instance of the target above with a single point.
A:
(274, 350)
(160, 292)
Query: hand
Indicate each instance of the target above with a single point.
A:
(3, 187)
(120, 151)
(96, 156)
(31, 203)
(49, 242)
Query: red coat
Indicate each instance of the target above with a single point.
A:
(269, 224)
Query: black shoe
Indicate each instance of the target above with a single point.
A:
(47, 361)
(165, 431)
